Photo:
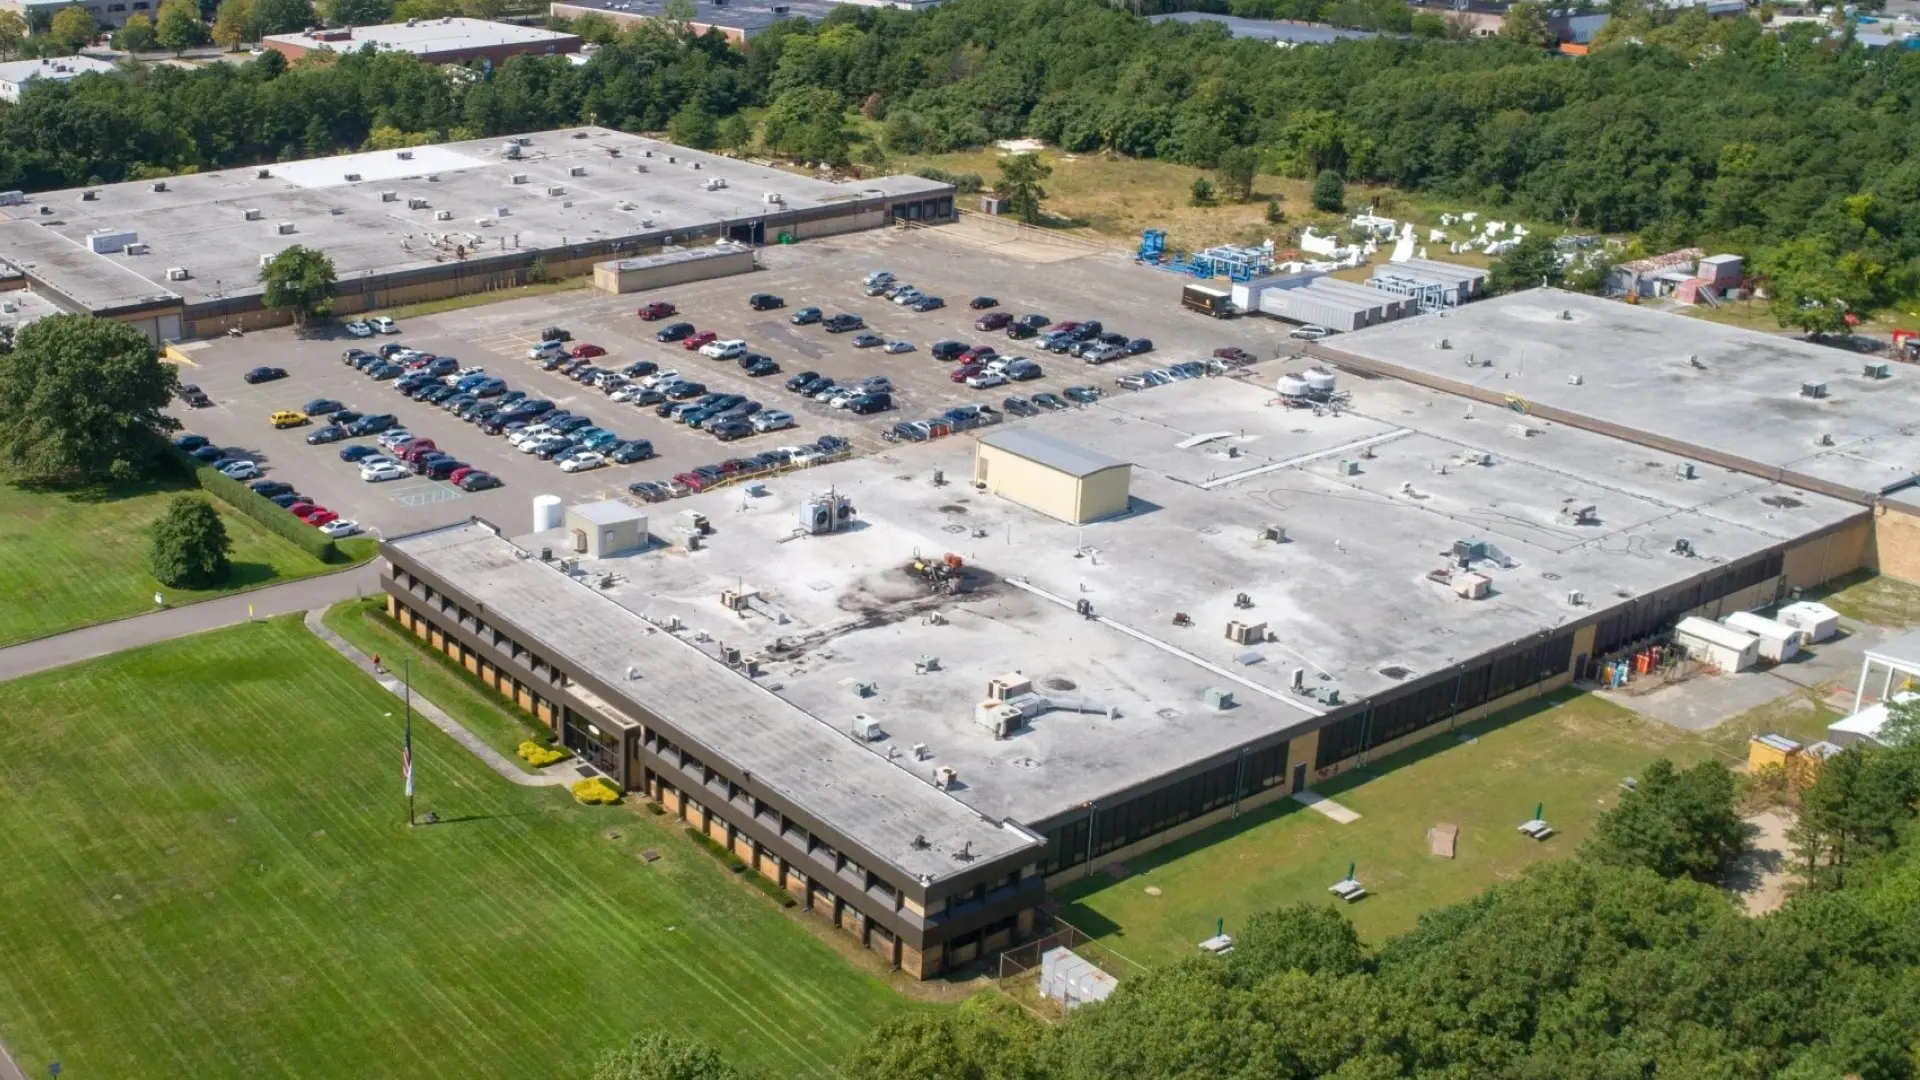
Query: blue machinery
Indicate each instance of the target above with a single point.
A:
(1228, 260)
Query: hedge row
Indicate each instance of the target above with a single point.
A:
(595, 792)
(244, 500)
(719, 851)
(539, 756)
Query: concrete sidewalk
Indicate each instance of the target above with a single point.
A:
(562, 772)
(89, 642)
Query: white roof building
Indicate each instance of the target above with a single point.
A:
(15, 76)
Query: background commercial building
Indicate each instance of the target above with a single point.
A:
(434, 41)
(17, 75)
(181, 257)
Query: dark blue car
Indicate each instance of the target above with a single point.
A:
(356, 452)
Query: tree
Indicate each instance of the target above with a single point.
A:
(136, 35)
(1857, 807)
(359, 12)
(694, 126)
(989, 1037)
(1811, 287)
(179, 28)
(1532, 262)
(1526, 23)
(299, 281)
(233, 26)
(596, 29)
(81, 401)
(734, 133)
(1300, 937)
(1329, 192)
(190, 545)
(660, 1056)
(1019, 185)
(1275, 215)
(73, 29)
(1238, 168)
(282, 16)
(1201, 193)
(1675, 823)
(13, 31)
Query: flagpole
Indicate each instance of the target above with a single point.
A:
(406, 678)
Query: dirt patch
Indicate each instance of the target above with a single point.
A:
(1762, 876)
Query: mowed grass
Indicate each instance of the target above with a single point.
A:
(70, 558)
(208, 874)
(436, 677)
(1873, 598)
(1569, 752)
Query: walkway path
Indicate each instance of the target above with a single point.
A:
(88, 642)
(1320, 804)
(9, 1070)
(551, 776)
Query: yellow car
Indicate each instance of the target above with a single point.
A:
(286, 418)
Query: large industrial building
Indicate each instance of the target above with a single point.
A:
(447, 40)
(181, 257)
(917, 689)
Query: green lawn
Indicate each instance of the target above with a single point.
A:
(72, 558)
(501, 725)
(1569, 752)
(1870, 598)
(208, 874)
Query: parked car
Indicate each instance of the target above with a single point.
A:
(1082, 394)
(208, 454)
(799, 383)
(555, 333)
(190, 442)
(651, 491)
(328, 434)
(443, 467)
(264, 374)
(840, 324)
(356, 328)
(1022, 370)
(353, 356)
(1020, 331)
(985, 380)
(657, 310)
(381, 471)
(267, 489)
(757, 366)
(877, 401)
(772, 420)
(241, 470)
(585, 349)
(546, 349)
(682, 391)
(321, 517)
(478, 481)
(730, 349)
(339, 528)
(357, 452)
(675, 332)
(993, 320)
(894, 348)
(981, 303)
(384, 324)
(765, 302)
(805, 316)
(1048, 400)
(372, 425)
(868, 341)
(1018, 406)
(729, 428)
(581, 461)
(947, 350)
(631, 451)
(928, 303)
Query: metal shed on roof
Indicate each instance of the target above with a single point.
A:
(1052, 475)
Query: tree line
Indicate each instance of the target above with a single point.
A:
(1793, 148)
(1629, 961)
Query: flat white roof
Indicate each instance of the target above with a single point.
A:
(425, 36)
(607, 512)
(1713, 633)
(63, 67)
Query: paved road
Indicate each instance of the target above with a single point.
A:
(8, 1070)
(91, 641)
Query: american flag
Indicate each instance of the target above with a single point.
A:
(406, 757)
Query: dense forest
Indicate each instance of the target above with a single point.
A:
(1624, 963)
(1796, 148)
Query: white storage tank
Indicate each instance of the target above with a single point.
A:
(1319, 380)
(1292, 386)
(547, 512)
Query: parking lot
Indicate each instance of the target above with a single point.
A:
(1136, 301)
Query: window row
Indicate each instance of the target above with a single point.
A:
(1111, 828)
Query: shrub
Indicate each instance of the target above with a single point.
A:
(245, 501)
(717, 849)
(656, 809)
(595, 792)
(539, 756)
(190, 545)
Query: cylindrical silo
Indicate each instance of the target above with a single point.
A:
(546, 512)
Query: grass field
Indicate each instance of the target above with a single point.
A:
(1871, 598)
(363, 622)
(72, 558)
(208, 874)
(1569, 752)
(494, 296)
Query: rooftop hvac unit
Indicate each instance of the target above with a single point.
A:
(672, 160)
(577, 170)
(251, 215)
(1246, 633)
(416, 204)
(89, 195)
(1813, 389)
(694, 165)
(406, 155)
(389, 196)
(353, 178)
(519, 178)
(824, 513)
(483, 222)
(715, 183)
(433, 178)
(13, 198)
(284, 228)
(177, 273)
(1472, 586)
(1683, 470)
(1217, 699)
(944, 777)
(157, 185)
(1879, 370)
(137, 249)
(866, 728)
(556, 189)
(265, 258)
(500, 211)
(443, 215)
(998, 717)
(773, 198)
(1012, 685)
(262, 174)
(510, 150)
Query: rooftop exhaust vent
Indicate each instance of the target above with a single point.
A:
(1813, 389)
(263, 174)
(250, 215)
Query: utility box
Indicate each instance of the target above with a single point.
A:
(609, 528)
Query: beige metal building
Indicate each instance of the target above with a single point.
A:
(601, 529)
(1052, 475)
(672, 266)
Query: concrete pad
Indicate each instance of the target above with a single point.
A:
(1320, 804)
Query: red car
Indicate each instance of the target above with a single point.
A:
(460, 474)
(967, 371)
(694, 341)
(659, 309)
(320, 516)
(416, 450)
(1238, 356)
(304, 510)
(979, 354)
(584, 351)
(693, 480)
(1065, 327)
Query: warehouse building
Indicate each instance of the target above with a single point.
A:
(740, 21)
(673, 266)
(181, 257)
(17, 75)
(933, 700)
(434, 41)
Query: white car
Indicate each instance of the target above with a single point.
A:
(241, 470)
(897, 347)
(986, 379)
(723, 350)
(582, 461)
(660, 380)
(908, 295)
(341, 527)
(395, 438)
(526, 434)
(357, 328)
(384, 324)
(385, 470)
(841, 395)
(1310, 332)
